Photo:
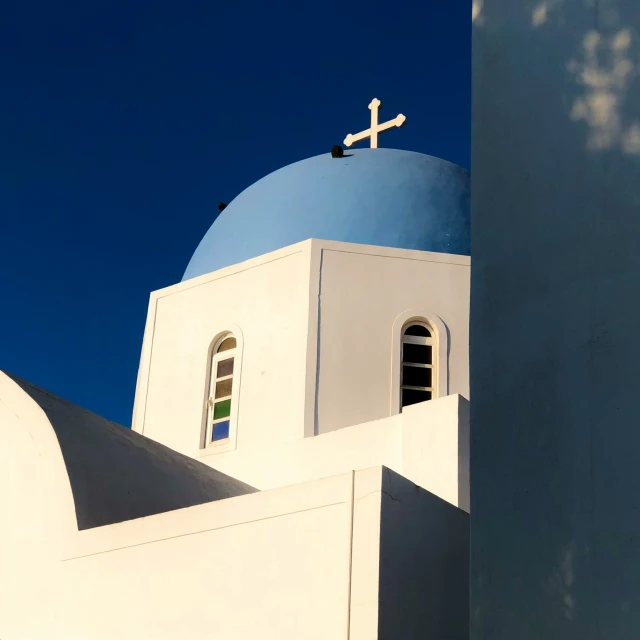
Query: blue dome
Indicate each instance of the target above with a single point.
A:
(384, 197)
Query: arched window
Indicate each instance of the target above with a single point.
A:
(417, 380)
(218, 420)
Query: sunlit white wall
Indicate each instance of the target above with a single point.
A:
(320, 329)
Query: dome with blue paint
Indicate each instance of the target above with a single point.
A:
(384, 197)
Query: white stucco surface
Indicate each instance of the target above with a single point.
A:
(319, 351)
(274, 567)
(303, 561)
(428, 444)
(327, 513)
(362, 293)
(555, 347)
(183, 322)
(297, 562)
(150, 477)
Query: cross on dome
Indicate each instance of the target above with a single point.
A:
(376, 128)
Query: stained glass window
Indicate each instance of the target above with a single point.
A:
(221, 430)
(219, 403)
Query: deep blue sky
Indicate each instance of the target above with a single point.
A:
(124, 123)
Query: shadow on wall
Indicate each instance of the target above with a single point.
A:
(424, 565)
(554, 306)
(601, 67)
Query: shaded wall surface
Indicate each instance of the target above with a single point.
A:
(424, 564)
(555, 348)
(117, 474)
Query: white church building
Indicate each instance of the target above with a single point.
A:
(298, 463)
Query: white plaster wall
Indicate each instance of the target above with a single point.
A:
(428, 444)
(317, 323)
(36, 504)
(435, 448)
(302, 561)
(274, 567)
(33, 492)
(298, 562)
(362, 292)
(278, 566)
(266, 300)
(555, 346)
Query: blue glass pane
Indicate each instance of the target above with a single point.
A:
(221, 430)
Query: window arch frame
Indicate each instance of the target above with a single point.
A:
(207, 445)
(439, 354)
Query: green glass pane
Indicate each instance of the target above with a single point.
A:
(223, 388)
(222, 409)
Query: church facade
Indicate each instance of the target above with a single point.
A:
(298, 463)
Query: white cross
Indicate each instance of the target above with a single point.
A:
(376, 128)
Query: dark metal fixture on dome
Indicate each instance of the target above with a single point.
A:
(221, 206)
(337, 151)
